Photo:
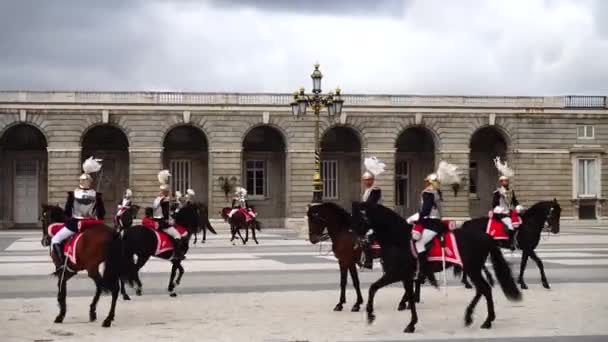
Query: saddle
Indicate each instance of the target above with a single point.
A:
(69, 246)
(418, 228)
(434, 253)
(497, 229)
(164, 242)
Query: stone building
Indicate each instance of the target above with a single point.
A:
(556, 146)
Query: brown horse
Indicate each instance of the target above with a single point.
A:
(345, 245)
(237, 222)
(98, 243)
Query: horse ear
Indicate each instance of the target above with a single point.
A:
(554, 200)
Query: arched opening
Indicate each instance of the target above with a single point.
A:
(264, 173)
(110, 144)
(185, 155)
(414, 159)
(486, 143)
(341, 166)
(23, 175)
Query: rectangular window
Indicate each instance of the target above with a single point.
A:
(587, 178)
(181, 174)
(329, 177)
(402, 178)
(473, 177)
(256, 178)
(585, 132)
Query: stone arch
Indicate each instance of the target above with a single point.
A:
(111, 144)
(486, 143)
(186, 155)
(23, 174)
(352, 127)
(341, 165)
(415, 152)
(264, 172)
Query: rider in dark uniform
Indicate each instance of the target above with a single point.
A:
(161, 208)
(372, 195)
(504, 200)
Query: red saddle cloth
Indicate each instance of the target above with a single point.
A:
(85, 224)
(70, 247)
(452, 254)
(164, 243)
(247, 214)
(497, 229)
(449, 225)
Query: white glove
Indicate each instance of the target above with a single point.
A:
(498, 210)
(519, 208)
(416, 235)
(413, 218)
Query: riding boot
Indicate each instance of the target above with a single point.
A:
(178, 249)
(368, 261)
(511, 239)
(58, 250)
(424, 268)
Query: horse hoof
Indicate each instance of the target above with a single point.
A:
(173, 294)
(468, 321)
(546, 285)
(355, 308)
(523, 286)
(138, 292)
(468, 286)
(106, 323)
(92, 316)
(486, 325)
(370, 318)
(59, 319)
(409, 329)
(402, 306)
(338, 307)
(126, 297)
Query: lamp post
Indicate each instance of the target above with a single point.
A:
(316, 101)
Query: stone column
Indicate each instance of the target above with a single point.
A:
(64, 168)
(222, 163)
(456, 206)
(299, 187)
(144, 165)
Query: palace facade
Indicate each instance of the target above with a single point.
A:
(556, 146)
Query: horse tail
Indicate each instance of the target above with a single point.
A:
(503, 273)
(117, 265)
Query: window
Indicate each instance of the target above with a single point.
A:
(256, 178)
(473, 177)
(181, 174)
(329, 177)
(587, 182)
(585, 132)
(402, 178)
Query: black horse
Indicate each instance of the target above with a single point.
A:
(204, 224)
(141, 242)
(394, 235)
(126, 219)
(540, 216)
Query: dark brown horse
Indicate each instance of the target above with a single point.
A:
(345, 244)
(237, 222)
(98, 243)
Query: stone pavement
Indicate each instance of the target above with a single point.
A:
(566, 310)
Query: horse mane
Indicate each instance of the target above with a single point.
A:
(392, 220)
(537, 209)
(342, 213)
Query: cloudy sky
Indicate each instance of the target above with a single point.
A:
(515, 47)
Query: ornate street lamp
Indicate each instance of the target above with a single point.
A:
(333, 102)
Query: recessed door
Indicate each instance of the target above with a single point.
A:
(26, 191)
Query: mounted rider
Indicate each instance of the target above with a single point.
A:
(84, 203)
(430, 215)
(504, 202)
(184, 200)
(122, 208)
(372, 195)
(161, 208)
(239, 202)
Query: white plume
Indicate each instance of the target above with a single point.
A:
(128, 193)
(374, 165)
(91, 165)
(502, 167)
(448, 173)
(241, 192)
(190, 192)
(163, 176)
(178, 194)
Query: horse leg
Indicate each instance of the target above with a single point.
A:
(465, 281)
(247, 225)
(123, 292)
(204, 234)
(386, 279)
(343, 279)
(481, 288)
(255, 239)
(171, 287)
(355, 277)
(195, 238)
(404, 300)
(522, 269)
(238, 231)
(94, 274)
(539, 263)
(108, 321)
(61, 295)
(488, 275)
(418, 282)
(409, 291)
(180, 269)
(141, 261)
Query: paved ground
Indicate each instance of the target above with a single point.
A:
(284, 290)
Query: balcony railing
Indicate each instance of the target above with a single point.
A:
(585, 102)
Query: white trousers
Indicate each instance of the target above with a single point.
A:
(172, 232)
(507, 221)
(62, 235)
(427, 236)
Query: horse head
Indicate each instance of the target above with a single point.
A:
(544, 215)
(225, 212)
(553, 216)
(316, 223)
(50, 214)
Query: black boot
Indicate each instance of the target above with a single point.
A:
(511, 239)
(178, 249)
(367, 251)
(424, 269)
(58, 250)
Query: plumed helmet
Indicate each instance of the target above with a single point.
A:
(503, 169)
(503, 178)
(91, 165)
(128, 193)
(163, 179)
(368, 175)
(374, 167)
